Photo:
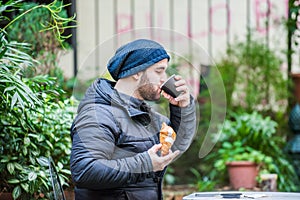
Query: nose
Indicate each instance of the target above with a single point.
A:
(164, 77)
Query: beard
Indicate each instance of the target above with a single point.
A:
(147, 90)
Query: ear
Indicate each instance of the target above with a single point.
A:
(137, 76)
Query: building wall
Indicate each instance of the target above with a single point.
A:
(212, 24)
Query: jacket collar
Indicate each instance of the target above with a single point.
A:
(137, 109)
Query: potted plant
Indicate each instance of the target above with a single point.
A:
(242, 163)
(252, 133)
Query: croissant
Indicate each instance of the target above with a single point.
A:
(167, 137)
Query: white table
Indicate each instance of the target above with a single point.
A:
(243, 195)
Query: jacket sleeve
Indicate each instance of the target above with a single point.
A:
(93, 145)
(183, 121)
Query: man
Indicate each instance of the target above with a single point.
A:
(115, 136)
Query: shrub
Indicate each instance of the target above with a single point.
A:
(34, 121)
(252, 130)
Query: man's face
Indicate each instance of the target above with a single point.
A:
(152, 78)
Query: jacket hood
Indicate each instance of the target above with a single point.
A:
(100, 92)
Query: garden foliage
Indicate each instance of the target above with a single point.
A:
(34, 119)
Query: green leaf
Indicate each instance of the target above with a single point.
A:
(13, 181)
(32, 176)
(10, 168)
(5, 159)
(33, 135)
(16, 192)
(9, 88)
(42, 174)
(43, 161)
(25, 186)
(49, 144)
(25, 150)
(41, 138)
(26, 141)
(66, 171)
(32, 160)
(68, 151)
(227, 145)
(35, 153)
(45, 184)
(2, 53)
(59, 165)
(18, 166)
(14, 100)
(14, 158)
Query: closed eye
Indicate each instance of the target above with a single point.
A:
(160, 69)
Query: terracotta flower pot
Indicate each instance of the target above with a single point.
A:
(242, 174)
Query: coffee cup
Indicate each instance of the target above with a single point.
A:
(169, 87)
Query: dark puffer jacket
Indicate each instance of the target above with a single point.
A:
(110, 138)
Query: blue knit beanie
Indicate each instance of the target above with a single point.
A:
(134, 57)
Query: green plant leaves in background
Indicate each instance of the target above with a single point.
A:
(250, 136)
(30, 129)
